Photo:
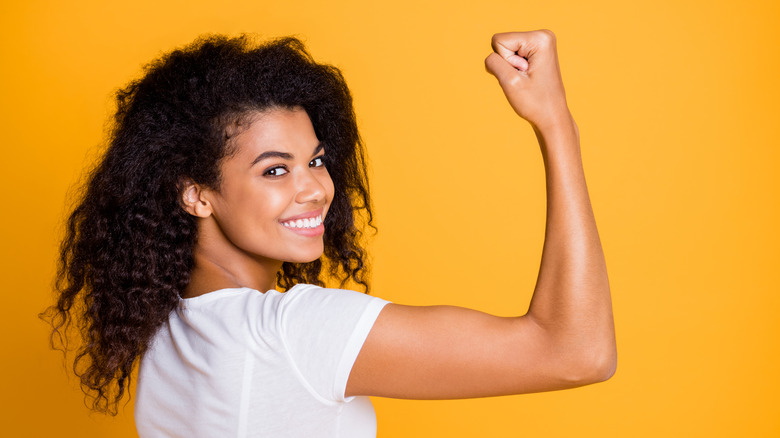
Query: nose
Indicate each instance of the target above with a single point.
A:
(309, 188)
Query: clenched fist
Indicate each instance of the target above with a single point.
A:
(526, 66)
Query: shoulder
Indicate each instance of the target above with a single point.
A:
(323, 331)
(303, 309)
(305, 295)
(312, 306)
(299, 297)
(313, 313)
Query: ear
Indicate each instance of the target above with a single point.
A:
(193, 200)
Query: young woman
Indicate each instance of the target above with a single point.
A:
(235, 169)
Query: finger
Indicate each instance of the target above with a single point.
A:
(507, 45)
(523, 44)
(518, 62)
(501, 68)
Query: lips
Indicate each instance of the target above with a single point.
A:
(307, 224)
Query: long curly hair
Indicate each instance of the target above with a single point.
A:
(127, 253)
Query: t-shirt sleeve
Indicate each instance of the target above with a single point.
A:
(323, 331)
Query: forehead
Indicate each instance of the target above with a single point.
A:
(280, 129)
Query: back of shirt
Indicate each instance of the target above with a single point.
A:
(241, 363)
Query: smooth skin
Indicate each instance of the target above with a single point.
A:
(567, 338)
(275, 175)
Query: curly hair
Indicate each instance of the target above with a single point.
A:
(127, 254)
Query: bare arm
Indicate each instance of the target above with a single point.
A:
(566, 338)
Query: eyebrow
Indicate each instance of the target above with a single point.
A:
(283, 155)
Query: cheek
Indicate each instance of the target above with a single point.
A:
(271, 205)
(249, 210)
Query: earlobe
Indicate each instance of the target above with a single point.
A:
(193, 200)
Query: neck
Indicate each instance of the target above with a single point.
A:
(219, 264)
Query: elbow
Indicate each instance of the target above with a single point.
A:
(598, 365)
(578, 357)
(603, 368)
(591, 365)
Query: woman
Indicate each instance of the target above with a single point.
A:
(234, 170)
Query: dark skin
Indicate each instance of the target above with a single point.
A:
(275, 178)
(565, 339)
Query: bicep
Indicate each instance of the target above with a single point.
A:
(442, 352)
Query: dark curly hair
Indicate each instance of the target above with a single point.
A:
(127, 253)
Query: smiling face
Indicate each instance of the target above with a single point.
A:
(274, 193)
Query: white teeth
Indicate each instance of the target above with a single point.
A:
(304, 223)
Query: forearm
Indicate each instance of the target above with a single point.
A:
(571, 301)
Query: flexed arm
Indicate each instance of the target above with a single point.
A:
(567, 337)
(571, 300)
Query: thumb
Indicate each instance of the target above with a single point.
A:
(518, 62)
(509, 52)
(501, 68)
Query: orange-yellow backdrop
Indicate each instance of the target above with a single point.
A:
(677, 103)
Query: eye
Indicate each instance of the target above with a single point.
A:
(275, 171)
(317, 162)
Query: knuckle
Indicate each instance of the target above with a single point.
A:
(514, 81)
(490, 60)
(498, 36)
(494, 40)
(546, 36)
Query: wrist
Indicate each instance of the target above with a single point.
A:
(561, 132)
(556, 124)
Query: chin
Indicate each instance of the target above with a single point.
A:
(302, 260)
(306, 258)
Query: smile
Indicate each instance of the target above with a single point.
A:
(313, 222)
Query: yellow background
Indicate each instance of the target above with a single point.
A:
(677, 103)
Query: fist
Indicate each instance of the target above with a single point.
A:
(526, 66)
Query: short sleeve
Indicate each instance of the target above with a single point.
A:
(323, 331)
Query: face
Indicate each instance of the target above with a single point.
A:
(275, 190)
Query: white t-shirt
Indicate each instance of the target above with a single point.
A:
(240, 363)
